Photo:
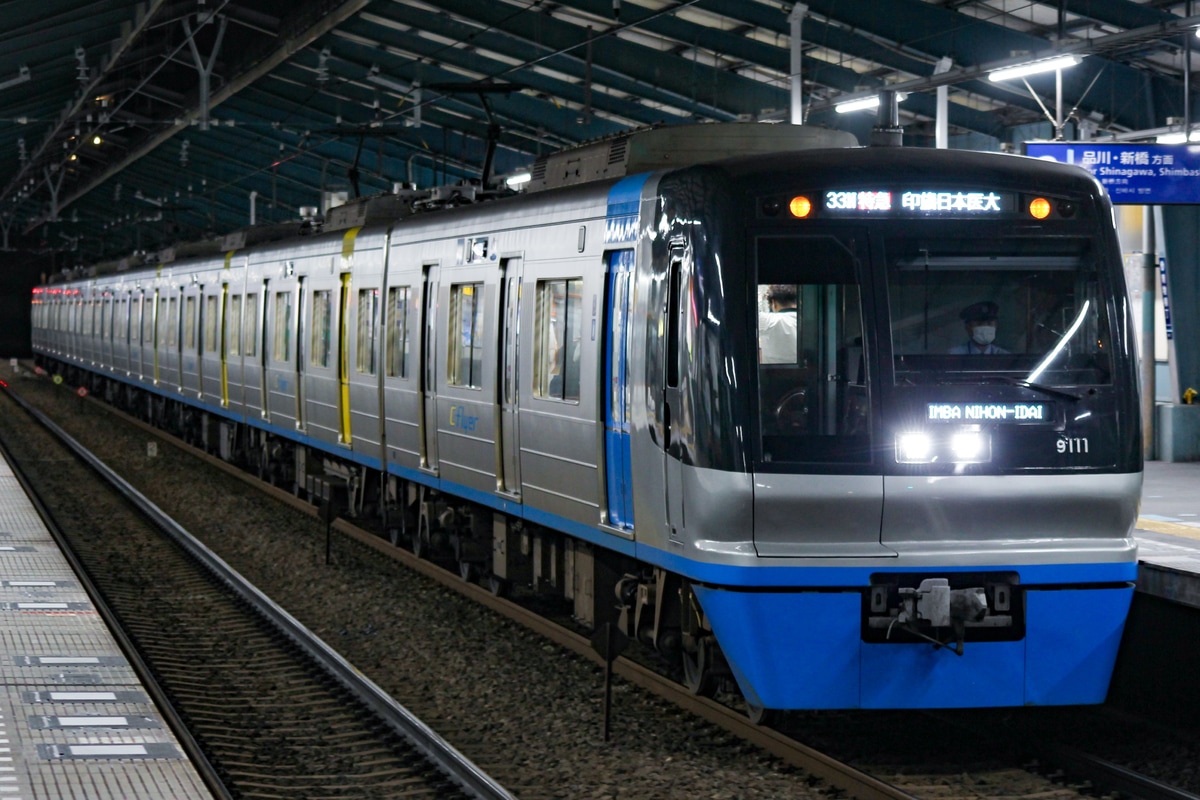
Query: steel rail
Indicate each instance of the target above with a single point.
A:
(464, 772)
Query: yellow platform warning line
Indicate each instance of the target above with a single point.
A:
(1173, 528)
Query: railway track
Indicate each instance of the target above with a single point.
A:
(868, 782)
(274, 710)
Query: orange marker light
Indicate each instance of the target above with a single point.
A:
(1039, 207)
(800, 206)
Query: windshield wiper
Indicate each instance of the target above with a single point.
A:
(1037, 387)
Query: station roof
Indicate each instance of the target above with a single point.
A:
(132, 125)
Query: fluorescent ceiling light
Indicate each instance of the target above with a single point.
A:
(520, 179)
(1033, 68)
(861, 104)
(1178, 138)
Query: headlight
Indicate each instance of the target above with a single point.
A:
(914, 448)
(950, 446)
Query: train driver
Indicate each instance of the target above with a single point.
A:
(980, 322)
(777, 327)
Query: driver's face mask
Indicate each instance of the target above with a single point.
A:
(983, 335)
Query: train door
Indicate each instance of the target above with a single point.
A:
(403, 399)
(254, 337)
(282, 357)
(672, 398)
(224, 346)
(301, 393)
(429, 451)
(105, 329)
(121, 336)
(157, 340)
(508, 451)
(142, 319)
(618, 463)
(813, 399)
(189, 347)
(212, 356)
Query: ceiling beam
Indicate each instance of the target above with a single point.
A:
(285, 48)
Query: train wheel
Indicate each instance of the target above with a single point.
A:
(761, 716)
(468, 571)
(397, 534)
(698, 674)
(420, 540)
(499, 587)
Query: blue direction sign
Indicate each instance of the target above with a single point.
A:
(1133, 173)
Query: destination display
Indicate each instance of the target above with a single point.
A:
(1132, 173)
(925, 201)
(988, 412)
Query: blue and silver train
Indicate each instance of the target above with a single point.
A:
(850, 427)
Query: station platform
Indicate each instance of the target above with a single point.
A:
(1168, 532)
(75, 721)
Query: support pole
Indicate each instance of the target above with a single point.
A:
(205, 70)
(942, 129)
(1149, 283)
(53, 186)
(795, 21)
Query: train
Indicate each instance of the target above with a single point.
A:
(922, 496)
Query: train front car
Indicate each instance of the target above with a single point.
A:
(903, 403)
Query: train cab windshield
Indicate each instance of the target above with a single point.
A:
(1030, 310)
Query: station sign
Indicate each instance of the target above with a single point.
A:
(1135, 174)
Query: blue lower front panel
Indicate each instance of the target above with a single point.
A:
(804, 650)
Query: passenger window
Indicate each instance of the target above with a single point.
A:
(558, 339)
(173, 323)
(163, 323)
(212, 316)
(397, 332)
(147, 321)
(466, 335)
(282, 348)
(234, 326)
(368, 316)
(322, 313)
(250, 327)
(189, 324)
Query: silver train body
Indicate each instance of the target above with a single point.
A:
(567, 389)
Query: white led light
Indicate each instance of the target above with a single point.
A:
(967, 446)
(520, 179)
(914, 448)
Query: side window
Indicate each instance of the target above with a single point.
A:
(558, 339)
(189, 324)
(233, 336)
(147, 320)
(164, 323)
(322, 313)
(173, 323)
(397, 332)
(282, 347)
(368, 317)
(250, 327)
(212, 315)
(466, 335)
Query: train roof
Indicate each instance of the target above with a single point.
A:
(873, 166)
